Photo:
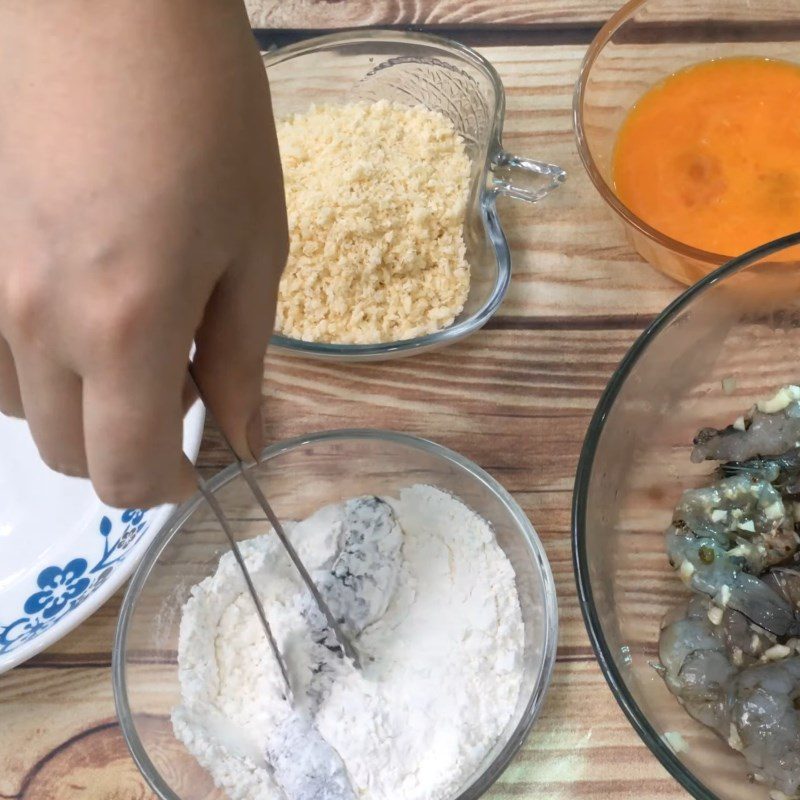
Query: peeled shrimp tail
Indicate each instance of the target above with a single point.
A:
(767, 431)
(362, 579)
(358, 587)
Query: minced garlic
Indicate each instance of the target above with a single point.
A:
(376, 195)
(715, 614)
(780, 400)
(777, 652)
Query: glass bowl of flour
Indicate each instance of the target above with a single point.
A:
(432, 569)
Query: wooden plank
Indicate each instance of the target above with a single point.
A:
(483, 14)
(59, 740)
(530, 391)
(319, 14)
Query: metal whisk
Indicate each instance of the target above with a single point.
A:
(344, 643)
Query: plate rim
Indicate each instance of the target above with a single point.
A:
(194, 425)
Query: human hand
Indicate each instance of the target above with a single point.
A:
(141, 208)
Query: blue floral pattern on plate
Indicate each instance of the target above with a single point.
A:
(62, 589)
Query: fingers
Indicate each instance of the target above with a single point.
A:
(51, 397)
(133, 428)
(10, 400)
(231, 342)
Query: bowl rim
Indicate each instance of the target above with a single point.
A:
(606, 192)
(480, 783)
(580, 560)
(486, 201)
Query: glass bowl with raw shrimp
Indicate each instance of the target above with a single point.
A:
(683, 123)
(685, 531)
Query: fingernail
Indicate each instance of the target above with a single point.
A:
(255, 435)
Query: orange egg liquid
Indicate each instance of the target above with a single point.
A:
(711, 155)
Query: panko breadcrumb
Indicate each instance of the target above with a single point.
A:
(376, 196)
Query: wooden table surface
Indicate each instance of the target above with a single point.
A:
(517, 403)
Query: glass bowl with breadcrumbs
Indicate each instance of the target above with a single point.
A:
(392, 158)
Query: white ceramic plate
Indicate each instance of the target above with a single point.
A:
(63, 553)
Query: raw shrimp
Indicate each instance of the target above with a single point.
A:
(696, 666)
(744, 642)
(752, 708)
(707, 567)
(744, 513)
(766, 721)
(770, 429)
(731, 656)
(362, 579)
(357, 584)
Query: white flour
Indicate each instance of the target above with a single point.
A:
(441, 649)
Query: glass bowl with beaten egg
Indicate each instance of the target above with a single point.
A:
(686, 119)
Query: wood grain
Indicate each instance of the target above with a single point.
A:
(317, 14)
(64, 743)
(489, 14)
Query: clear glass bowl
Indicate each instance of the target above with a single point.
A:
(299, 476)
(643, 43)
(417, 69)
(741, 326)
